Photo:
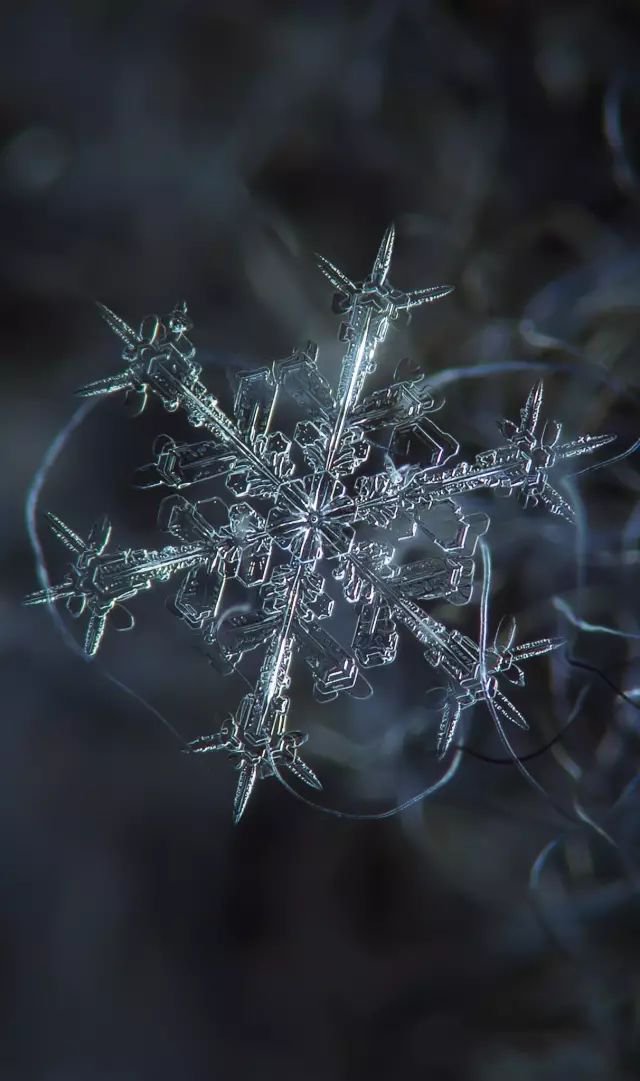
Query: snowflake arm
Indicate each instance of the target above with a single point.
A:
(369, 307)
(522, 466)
(449, 651)
(160, 358)
(258, 738)
(98, 583)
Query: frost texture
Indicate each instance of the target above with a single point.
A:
(336, 499)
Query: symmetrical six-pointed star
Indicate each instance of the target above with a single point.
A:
(333, 497)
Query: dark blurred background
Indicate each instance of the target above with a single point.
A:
(152, 151)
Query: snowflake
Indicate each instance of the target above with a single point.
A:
(336, 502)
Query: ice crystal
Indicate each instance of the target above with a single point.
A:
(337, 499)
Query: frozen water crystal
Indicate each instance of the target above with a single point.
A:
(335, 499)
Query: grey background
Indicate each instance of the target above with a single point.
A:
(150, 151)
